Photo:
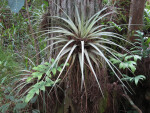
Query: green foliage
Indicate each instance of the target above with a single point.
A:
(14, 35)
(126, 61)
(8, 66)
(142, 45)
(147, 15)
(14, 32)
(135, 79)
(39, 86)
(17, 104)
(4, 108)
(44, 74)
(9, 101)
(37, 14)
(40, 78)
(42, 69)
(146, 20)
(116, 26)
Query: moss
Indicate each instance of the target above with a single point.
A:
(103, 103)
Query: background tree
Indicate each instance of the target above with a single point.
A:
(136, 17)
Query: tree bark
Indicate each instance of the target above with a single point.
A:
(136, 17)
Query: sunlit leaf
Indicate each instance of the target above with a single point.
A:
(37, 75)
(54, 71)
(15, 5)
(29, 97)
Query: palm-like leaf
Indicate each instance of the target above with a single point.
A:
(89, 38)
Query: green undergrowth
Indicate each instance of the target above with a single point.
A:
(8, 66)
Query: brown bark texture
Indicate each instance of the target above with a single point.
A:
(136, 17)
(68, 6)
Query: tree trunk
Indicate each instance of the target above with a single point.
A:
(136, 17)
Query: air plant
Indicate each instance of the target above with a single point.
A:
(86, 40)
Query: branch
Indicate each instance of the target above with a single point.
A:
(132, 103)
